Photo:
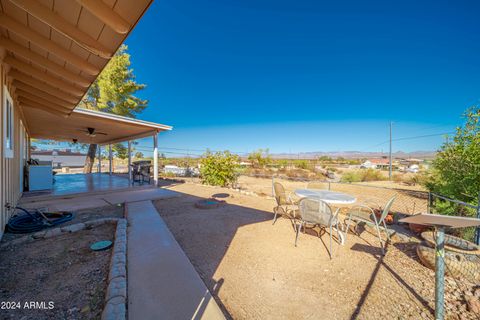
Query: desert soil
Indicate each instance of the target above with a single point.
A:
(62, 270)
(255, 272)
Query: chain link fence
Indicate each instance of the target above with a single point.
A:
(443, 205)
(407, 201)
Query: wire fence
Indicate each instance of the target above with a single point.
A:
(407, 201)
(443, 205)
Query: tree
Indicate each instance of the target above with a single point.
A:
(456, 167)
(120, 151)
(113, 91)
(138, 155)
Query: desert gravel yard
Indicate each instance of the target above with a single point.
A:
(57, 277)
(255, 272)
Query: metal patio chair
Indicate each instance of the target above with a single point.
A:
(315, 212)
(364, 213)
(286, 206)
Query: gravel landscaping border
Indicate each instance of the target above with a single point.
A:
(116, 296)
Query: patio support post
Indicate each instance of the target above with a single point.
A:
(130, 161)
(110, 159)
(99, 158)
(155, 159)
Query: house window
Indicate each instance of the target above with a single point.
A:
(7, 124)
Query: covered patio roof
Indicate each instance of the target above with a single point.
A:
(54, 50)
(108, 128)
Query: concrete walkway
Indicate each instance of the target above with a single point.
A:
(162, 283)
(98, 199)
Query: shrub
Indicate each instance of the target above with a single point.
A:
(362, 176)
(397, 177)
(351, 176)
(301, 164)
(219, 169)
(260, 158)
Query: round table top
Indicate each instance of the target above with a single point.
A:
(326, 195)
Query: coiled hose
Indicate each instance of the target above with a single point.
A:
(33, 222)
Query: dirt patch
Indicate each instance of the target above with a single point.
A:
(60, 272)
(254, 270)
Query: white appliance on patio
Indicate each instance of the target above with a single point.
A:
(40, 177)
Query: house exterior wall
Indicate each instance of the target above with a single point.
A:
(11, 168)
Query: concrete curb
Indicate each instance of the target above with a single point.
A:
(116, 296)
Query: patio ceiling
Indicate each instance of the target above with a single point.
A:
(56, 49)
(109, 128)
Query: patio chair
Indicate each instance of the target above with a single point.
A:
(315, 212)
(286, 206)
(364, 213)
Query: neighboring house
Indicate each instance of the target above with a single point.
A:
(374, 163)
(60, 158)
(380, 163)
(368, 165)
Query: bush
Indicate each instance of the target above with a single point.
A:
(301, 164)
(362, 176)
(260, 158)
(219, 169)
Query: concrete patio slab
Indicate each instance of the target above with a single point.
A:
(162, 283)
(96, 199)
(139, 195)
(72, 204)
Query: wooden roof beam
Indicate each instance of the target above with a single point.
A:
(58, 23)
(31, 104)
(40, 75)
(106, 14)
(44, 62)
(34, 103)
(43, 86)
(47, 44)
(41, 94)
(20, 93)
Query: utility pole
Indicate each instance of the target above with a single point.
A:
(390, 155)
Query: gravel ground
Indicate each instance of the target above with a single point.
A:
(255, 272)
(60, 270)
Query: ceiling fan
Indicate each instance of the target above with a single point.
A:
(91, 132)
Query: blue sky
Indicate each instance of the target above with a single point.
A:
(306, 75)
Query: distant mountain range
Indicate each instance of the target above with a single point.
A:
(354, 154)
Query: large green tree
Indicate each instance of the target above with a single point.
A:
(456, 168)
(113, 91)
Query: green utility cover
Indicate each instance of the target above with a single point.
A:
(101, 245)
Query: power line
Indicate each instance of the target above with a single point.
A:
(423, 136)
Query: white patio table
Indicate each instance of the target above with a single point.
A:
(330, 197)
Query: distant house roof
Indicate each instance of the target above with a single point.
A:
(58, 153)
(379, 161)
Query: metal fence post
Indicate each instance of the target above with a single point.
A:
(439, 272)
(429, 203)
(477, 231)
